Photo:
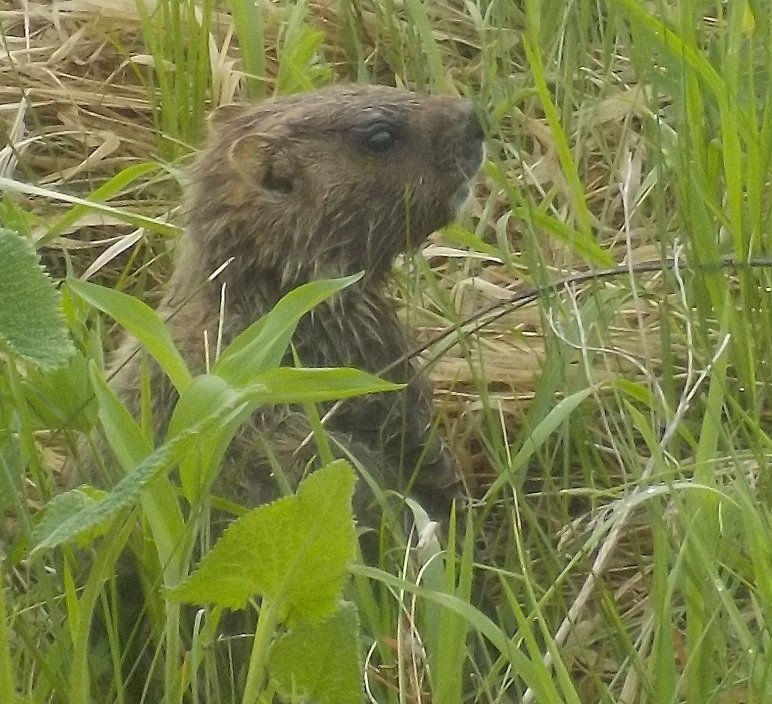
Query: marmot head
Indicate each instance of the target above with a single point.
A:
(332, 181)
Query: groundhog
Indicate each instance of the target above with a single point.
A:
(311, 186)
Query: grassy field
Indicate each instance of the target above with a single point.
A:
(597, 328)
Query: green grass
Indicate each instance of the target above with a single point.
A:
(614, 430)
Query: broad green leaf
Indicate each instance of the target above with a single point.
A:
(294, 551)
(263, 344)
(142, 322)
(310, 385)
(206, 393)
(321, 661)
(32, 326)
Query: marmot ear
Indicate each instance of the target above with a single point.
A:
(264, 163)
(223, 114)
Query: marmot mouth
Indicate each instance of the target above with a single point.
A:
(459, 199)
(475, 158)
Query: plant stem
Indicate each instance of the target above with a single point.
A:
(6, 674)
(266, 626)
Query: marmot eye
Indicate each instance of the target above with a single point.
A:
(380, 140)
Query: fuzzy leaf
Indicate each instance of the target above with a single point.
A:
(31, 322)
(125, 494)
(295, 550)
(321, 661)
(63, 508)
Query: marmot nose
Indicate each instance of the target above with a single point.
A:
(473, 127)
(473, 134)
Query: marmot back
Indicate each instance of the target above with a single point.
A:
(311, 186)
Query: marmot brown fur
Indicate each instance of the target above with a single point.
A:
(311, 186)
